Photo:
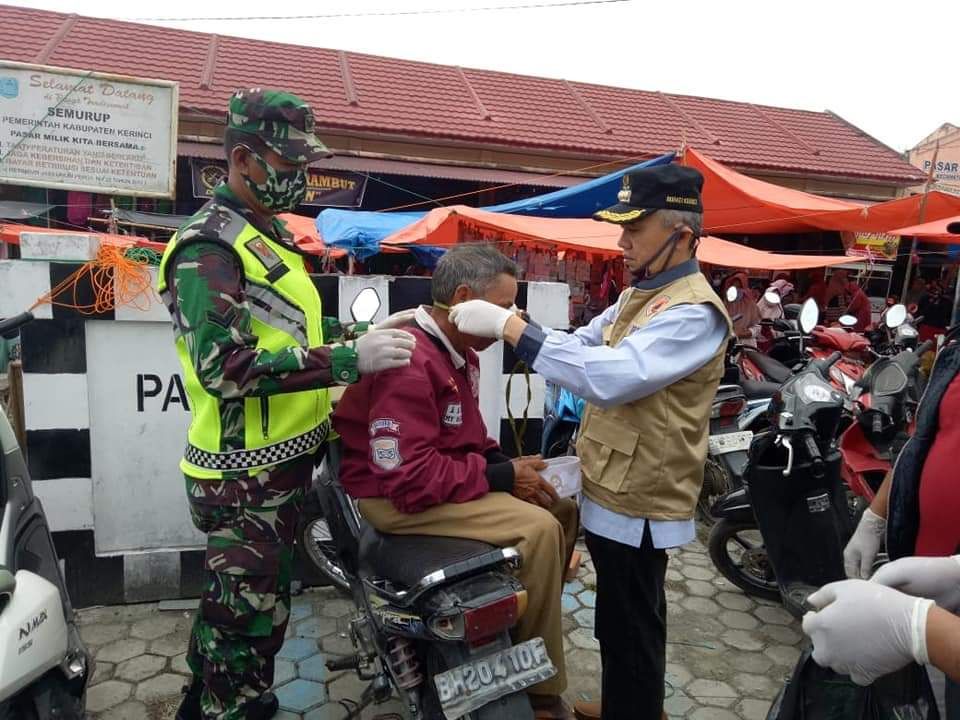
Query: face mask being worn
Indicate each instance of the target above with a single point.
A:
(283, 190)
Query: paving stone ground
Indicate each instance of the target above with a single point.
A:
(727, 654)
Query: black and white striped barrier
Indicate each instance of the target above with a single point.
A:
(106, 420)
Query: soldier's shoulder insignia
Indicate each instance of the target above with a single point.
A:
(268, 257)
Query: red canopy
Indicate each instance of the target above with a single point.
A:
(887, 216)
(932, 232)
(729, 254)
(306, 235)
(736, 203)
(10, 233)
(450, 225)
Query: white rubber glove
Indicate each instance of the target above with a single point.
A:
(866, 630)
(861, 552)
(397, 320)
(383, 350)
(928, 577)
(480, 318)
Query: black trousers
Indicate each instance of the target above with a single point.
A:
(631, 626)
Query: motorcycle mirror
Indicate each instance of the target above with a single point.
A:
(895, 316)
(809, 315)
(772, 297)
(732, 294)
(365, 305)
(8, 582)
(848, 321)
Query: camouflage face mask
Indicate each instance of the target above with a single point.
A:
(282, 191)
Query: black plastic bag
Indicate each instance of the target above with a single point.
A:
(816, 693)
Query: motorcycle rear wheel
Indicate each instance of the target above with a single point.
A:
(316, 545)
(753, 573)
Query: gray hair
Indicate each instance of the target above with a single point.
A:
(672, 218)
(470, 264)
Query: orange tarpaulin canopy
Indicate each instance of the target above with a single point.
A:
(886, 217)
(729, 254)
(303, 228)
(450, 225)
(457, 223)
(932, 232)
(306, 236)
(10, 233)
(736, 203)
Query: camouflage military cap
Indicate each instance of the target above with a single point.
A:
(282, 120)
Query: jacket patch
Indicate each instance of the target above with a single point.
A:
(272, 262)
(385, 453)
(453, 416)
(388, 424)
(474, 372)
(657, 305)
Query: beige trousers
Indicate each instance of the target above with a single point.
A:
(544, 538)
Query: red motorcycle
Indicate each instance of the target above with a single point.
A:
(855, 354)
(885, 398)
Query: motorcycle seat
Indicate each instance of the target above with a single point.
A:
(758, 390)
(837, 339)
(406, 560)
(773, 369)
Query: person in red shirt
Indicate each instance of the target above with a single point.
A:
(417, 456)
(840, 296)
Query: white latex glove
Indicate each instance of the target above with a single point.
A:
(480, 318)
(384, 349)
(928, 577)
(866, 630)
(397, 320)
(861, 552)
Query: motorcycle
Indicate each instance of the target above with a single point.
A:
(44, 665)
(789, 522)
(885, 399)
(433, 614)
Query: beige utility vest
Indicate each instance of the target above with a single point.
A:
(645, 458)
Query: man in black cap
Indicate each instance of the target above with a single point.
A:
(648, 368)
(258, 356)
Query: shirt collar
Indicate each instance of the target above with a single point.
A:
(429, 325)
(687, 267)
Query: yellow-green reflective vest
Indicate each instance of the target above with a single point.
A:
(286, 312)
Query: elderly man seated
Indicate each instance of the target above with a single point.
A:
(417, 456)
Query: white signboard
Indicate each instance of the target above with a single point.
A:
(138, 429)
(89, 131)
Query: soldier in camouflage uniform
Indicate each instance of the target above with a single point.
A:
(257, 360)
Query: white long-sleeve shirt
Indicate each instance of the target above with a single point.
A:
(673, 345)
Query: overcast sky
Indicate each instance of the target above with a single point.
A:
(891, 68)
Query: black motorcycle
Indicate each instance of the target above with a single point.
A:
(433, 614)
(782, 535)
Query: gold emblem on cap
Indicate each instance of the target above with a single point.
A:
(625, 192)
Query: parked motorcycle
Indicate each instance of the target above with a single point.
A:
(433, 614)
(782, 534)
(44, 666)
(885, 400)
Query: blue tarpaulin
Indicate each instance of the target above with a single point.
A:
(359, 232)
(577, 201)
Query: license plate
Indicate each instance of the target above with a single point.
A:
(730, 442)
(479, 682)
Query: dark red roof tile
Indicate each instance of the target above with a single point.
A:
(418, 99)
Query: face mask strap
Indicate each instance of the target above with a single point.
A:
(642, 273)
